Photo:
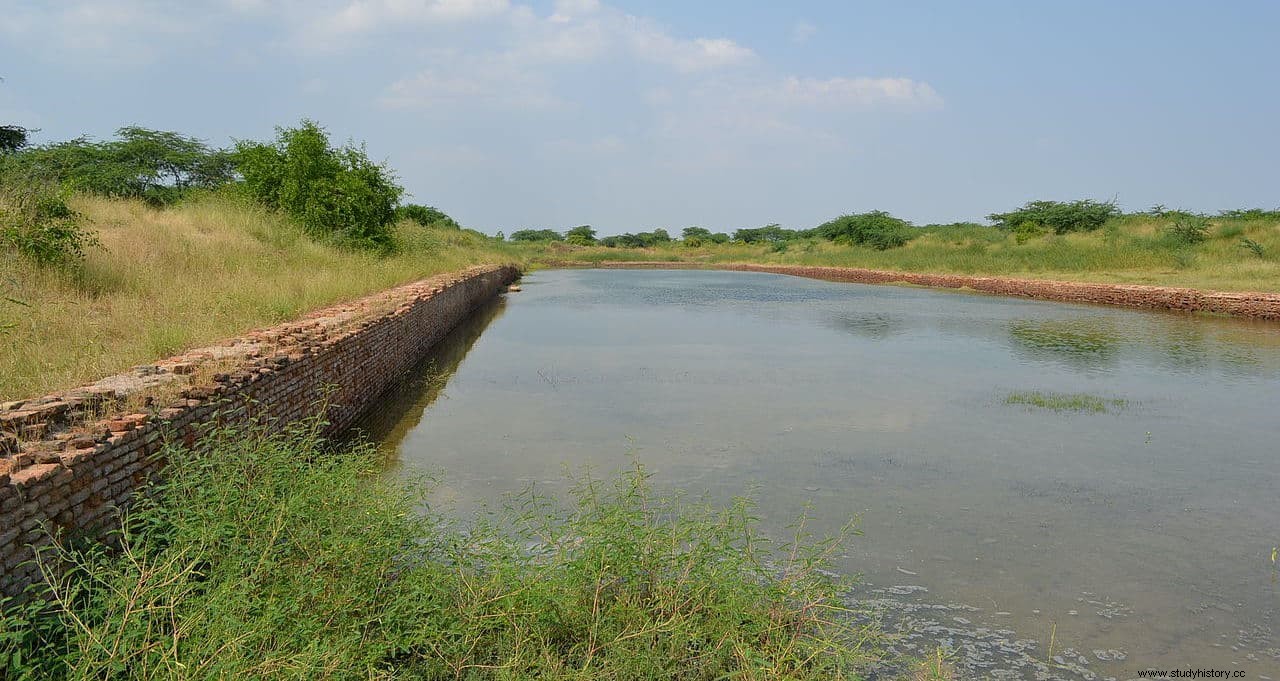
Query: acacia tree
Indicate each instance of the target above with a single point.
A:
(157, 166)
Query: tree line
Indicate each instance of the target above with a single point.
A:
(882, 231)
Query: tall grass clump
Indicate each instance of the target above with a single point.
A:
(265, 556)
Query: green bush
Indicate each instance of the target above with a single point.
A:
(1061, 217)
(427, 216)
(35, 220)
(1187, 231)
(638, 240)
(1026, 231)
(335, 193)
(536, 235)
(264, 556)
(582, 235)
(1252, 214)
(876, 229)
(1253, 247)
(768, 234)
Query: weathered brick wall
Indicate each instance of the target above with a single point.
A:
(70, 461)
(1256, 305)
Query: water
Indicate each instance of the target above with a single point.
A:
(1144, 535)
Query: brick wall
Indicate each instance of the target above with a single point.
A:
(1256, 305)
(70, 461)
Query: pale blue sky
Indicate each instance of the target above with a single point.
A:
(633, 115)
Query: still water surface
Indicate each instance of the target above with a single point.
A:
(1144, 535)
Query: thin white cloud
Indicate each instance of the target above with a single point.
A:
(859, 92)
(472, 84)
(362, 16)
(802, 31)
(652, 44)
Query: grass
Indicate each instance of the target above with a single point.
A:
(172, 279)
(1077, 402)
(265, 556)
(1129, 250)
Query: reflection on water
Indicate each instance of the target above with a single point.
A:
(402, 406)
(1087, 343)
(1139, 539)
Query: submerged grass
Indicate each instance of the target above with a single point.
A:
(165, 280)
(1078, 402)
(263, 556)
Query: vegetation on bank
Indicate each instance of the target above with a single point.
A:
(121, 252)
(209, 268)
(1080, 241)
(265, 556)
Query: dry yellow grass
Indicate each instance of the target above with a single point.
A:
(168, 280)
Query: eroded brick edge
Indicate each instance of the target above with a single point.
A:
(69, 461)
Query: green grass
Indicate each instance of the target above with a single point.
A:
(1077, 402)
(1128, 249)
(266, 556)
(165, 280)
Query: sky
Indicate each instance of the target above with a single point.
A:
(630, 115)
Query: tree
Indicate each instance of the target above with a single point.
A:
(13, 138)
(153, 165)
(334, 192)
(582, 235)
(1062, 217)
(876, 229)
(767, 234)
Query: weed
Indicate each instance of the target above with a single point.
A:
(1077, 402)
(263, 555)
(1187, 231)
(1253, 247)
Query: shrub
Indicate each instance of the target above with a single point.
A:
(427, 216)
(1061, 217)
(638, 240)
(876, 229)
(1187, 231)
(1252, 214)
(1253, 247)
(582, 235)
(35, 220)
(1026, 231)
(536, 235)
(335, 193)
(764, 235)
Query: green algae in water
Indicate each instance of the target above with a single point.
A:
(1077, 402)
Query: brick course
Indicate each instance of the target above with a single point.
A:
(70, 461)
